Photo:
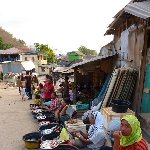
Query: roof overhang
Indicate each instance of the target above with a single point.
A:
(91, 60)
(28, 65)
(138, 9)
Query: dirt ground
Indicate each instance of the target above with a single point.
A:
(15, 119)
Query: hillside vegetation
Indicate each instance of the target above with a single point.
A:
(7, 40)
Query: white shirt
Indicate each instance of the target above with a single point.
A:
(22, 90)
(98, 138)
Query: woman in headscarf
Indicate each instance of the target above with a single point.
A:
(95, 138)
(130, 135)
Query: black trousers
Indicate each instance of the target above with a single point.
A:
(106, 148)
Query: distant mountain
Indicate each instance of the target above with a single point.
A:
(7, 38)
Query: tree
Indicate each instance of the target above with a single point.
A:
(22, 42)
(43, 48)
(8, 41)
(4, 46)
(87, 51)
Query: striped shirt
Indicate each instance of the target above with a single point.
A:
(55, 104)
(141, 145)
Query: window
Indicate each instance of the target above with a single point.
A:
(43, 69)
(25, 58)
(32, 58)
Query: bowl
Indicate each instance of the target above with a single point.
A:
(32, 140)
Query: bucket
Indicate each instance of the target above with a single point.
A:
(120, 106)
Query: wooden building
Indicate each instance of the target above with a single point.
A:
(90, 74)
(131, 30)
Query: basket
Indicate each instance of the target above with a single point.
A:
(120, 106)
(52, 135)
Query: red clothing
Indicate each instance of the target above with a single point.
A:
(48, 89)
(141, 145)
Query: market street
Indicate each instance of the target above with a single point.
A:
(15, 119)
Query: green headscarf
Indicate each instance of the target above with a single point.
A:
(136, 134)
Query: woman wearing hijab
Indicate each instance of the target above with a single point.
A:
(130, 136)
(95, 138)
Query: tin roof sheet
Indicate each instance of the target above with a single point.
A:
(139, 9)
(91, 60)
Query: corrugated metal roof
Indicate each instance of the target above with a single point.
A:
(139, 9)
(14, 51)
(91, 60)
(10, 51)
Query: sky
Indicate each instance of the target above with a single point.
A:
(64, 25)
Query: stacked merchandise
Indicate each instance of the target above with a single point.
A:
(121, 86)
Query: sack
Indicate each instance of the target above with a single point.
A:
(64, 135)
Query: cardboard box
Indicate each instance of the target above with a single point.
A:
(79, 125)
(109, 115)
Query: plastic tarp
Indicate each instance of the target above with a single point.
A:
(28, 65)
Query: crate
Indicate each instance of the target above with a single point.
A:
(109, 115)
(76, 126)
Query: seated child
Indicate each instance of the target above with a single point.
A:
(55, 104)
(37, 99)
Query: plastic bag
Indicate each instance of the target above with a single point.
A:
(114, 124)
(64, 135)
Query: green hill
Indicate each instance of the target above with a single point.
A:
(7, 40)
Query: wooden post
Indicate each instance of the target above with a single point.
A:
(75, 85)
(142, 74)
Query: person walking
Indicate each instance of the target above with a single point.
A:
(18, 82)
(28, 83)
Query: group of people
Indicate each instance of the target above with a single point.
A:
(27, 84)
(46, 97)
(128, 137)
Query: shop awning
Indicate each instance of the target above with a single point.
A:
(28, 65)
(91, 60)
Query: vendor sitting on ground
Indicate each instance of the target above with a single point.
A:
(95, 138)
(55, 105)
(65, 112)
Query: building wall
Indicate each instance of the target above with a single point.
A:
(44, 70)
(14, 67)
(24, 57)
(37, 60)
(74, 57)
(42, 59)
